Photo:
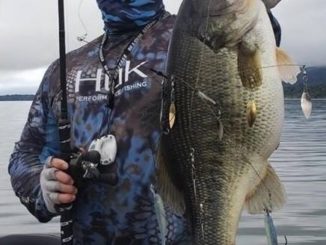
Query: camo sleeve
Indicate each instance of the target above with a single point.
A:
(38, 140)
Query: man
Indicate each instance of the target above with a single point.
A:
(118, 207)
(112, 101)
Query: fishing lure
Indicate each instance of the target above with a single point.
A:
(270, 229)
(160, 215)
(306, 103)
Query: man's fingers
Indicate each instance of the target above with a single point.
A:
(64, 178)
(59, 164)
(67, 189)
(59, 198)
(49, 173)
(66, 198)
(52, 162)
(58, 175)
(55, 186)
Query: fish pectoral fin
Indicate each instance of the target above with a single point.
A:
(249, 67)
(287, 68)
(169, 193)
(269, 194)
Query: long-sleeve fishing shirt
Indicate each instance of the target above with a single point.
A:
(120, 209)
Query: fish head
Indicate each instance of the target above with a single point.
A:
(219, 23)
(243, 25)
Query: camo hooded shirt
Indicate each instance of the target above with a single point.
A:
(120, 209)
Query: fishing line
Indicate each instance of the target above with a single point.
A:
(82, 38)
(198, 203)
(302, 67)
(261, 181)
(269, 193)
(273, 66)
(201, 48)
(305, 78)
(206, 99)
(286, 240)
(199, 66)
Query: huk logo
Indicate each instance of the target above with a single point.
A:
(89, 82)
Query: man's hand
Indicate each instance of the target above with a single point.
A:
(57, 186)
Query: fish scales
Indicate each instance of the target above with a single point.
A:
(217, 176)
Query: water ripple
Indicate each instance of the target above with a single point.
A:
(300, 162)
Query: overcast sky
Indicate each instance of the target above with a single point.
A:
(29, 39)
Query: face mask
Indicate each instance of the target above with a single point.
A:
(122, 16)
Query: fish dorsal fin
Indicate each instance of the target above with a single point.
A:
(249, 67)
(268, 195)
(288, 69)
(169, 193)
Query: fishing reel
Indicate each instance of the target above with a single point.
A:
(83, 165)
(89, 164)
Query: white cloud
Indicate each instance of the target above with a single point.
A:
(172, 6)
(29, 35)
(303, 31)
(21, 82)
(31, 38)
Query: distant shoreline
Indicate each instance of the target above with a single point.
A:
(30, 97)
(316, 87)
(17, 97)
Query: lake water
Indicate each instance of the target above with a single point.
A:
(300, 162)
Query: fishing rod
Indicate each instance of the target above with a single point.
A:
(62, 52)
(80, 165)
(66, 221)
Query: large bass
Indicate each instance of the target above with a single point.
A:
(222, 111)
